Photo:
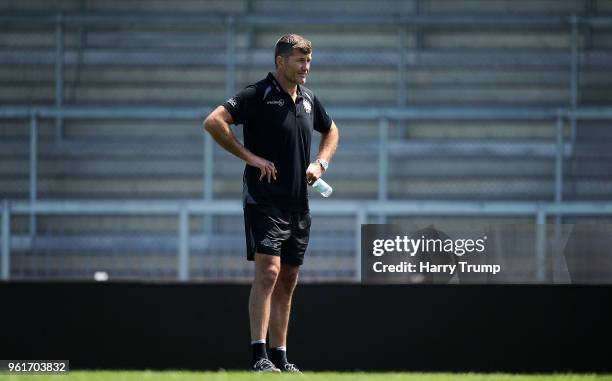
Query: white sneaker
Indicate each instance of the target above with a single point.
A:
(291, 368)
(265, 365)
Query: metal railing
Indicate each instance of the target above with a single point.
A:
(359, 210)
(560, 149)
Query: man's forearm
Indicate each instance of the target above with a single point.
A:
(222, 133)
(329, 143)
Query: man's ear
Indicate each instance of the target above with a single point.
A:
(279, 61)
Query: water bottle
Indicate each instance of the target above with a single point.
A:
(322, 187)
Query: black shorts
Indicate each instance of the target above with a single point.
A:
(276, 232)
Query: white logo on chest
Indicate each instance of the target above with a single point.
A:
(307, 106)
(279, 102)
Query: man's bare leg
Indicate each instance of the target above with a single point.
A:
(280, 311)
(267, 269)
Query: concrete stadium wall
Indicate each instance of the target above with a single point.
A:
(333, 327)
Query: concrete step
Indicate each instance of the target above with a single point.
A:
(94, 167)
(152, 224)
(133, 6)
(343, 166)
(33, 94)
(604, 5)
(32, 74)
(593, 130)
(382, 36)
(133, 225)
(382, 96)
(119, 36)
(479, 187)
(92, 188)
(18, 130)
(596, 95)
(230, 6)
(64, 225)
(588, 188)
(130, 130)
(594, 149)
(468, 129)
(345, 37)
(218, 266)
(593, 166)
(146, 242)
(502, 6)
(324, 36)
(200, 37)
(113, 93)
(358, 7)
(42, 37)
(367, 150)
(602, 39)
(446, 95)
(86, 74)
(40, 5)
(499, 129)
(365, 57)
(92, 130)
(435, 188)
(103, 129)
(494, 38)
(108, 148)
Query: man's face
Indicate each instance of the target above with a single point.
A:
(296, 67)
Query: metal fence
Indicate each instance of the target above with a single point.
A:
(184, 241)
(559, 149)
(204, 255)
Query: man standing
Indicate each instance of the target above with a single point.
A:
(278, 115)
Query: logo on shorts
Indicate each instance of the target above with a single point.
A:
(279, 102)
(307, 106)
(267, 242)
(233, 101)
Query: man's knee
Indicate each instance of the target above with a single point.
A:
(287, 278)
(268, 269)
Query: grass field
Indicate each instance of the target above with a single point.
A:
(314, 376)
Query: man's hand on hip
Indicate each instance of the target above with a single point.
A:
(266, 167)
(313, 172)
